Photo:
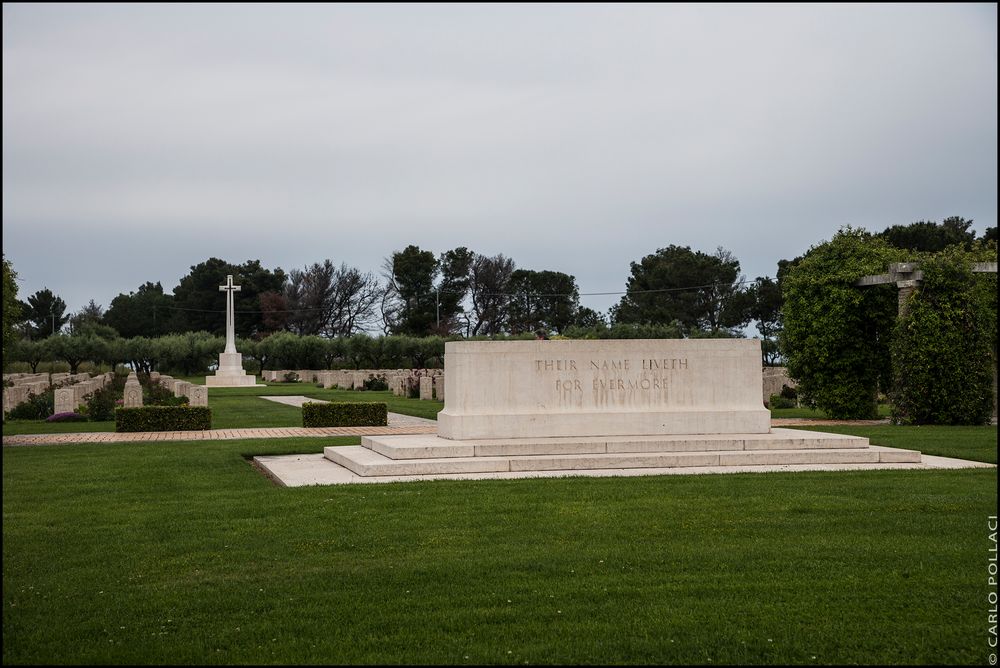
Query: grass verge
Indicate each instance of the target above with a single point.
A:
(976, 443)
(182, 553)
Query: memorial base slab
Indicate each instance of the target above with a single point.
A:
(427, 454)
(230, 373)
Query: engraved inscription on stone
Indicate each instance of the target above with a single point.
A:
(611, 380)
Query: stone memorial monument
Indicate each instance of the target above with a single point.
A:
(603, 405)
(230, 372)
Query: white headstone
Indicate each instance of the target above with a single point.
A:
(198, 395)
(64, 400)
(133, 394)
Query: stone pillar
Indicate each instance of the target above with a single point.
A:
(426, 388)
(906, 289)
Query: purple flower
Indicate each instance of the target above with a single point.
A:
(66, 417)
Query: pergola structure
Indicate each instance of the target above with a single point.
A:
(907, 277)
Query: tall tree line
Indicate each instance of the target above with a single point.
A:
(455, 292)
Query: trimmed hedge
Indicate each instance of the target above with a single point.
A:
(163, 418)
(345, 414)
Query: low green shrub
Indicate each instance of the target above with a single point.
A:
(156, 394)
(789, 392)
(163, 418)
(290, 377)
(345, 414)
(101, 403)
(413, 388)
(778, 401)
(376, 383)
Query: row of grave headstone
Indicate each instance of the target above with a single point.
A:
(197, 394)
(69, 397)
(428, 383)
(27, 384)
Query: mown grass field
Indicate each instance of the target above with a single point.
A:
(184, 553)
(975, 443)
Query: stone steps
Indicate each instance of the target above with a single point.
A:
(427, 454)
(428, 446)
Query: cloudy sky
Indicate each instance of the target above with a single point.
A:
(139, 140)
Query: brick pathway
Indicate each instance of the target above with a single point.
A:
(212, 434)
(398, 424)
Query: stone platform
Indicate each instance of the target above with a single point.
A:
(428, 454)
(230, 372)
(315, 469)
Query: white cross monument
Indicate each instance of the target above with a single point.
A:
(230, 372)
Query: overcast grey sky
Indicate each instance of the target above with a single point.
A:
(139, 140)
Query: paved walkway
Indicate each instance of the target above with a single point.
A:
(398, 424)
(315, 469)
(291, 399)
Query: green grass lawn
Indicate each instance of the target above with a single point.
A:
(241, 407)
(183, 553)
(975, 443)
